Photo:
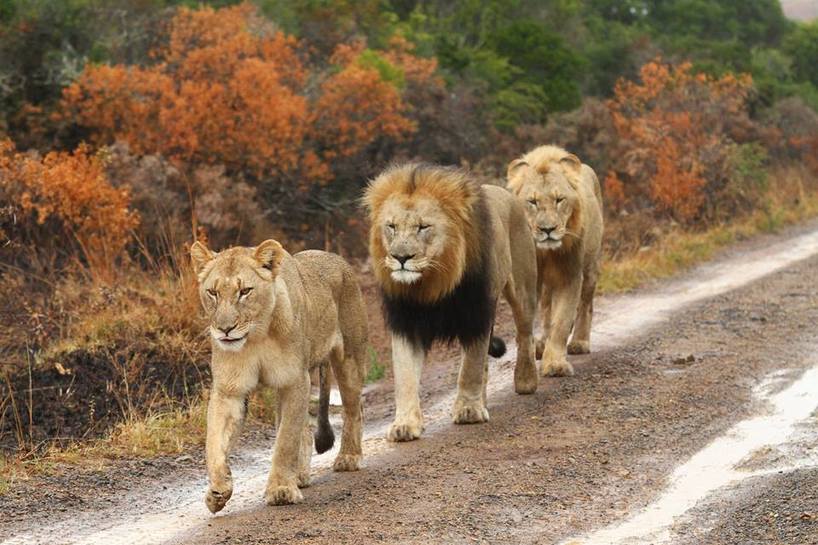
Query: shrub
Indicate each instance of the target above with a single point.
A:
(676, 129)
(797, 124)
(69, 192)
(802, 45)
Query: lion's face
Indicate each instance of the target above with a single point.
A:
(422, 229)
(552, 203)
(237, 290)
(415, 234)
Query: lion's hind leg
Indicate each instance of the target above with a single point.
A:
(525, 369)
(581, 338)
(348, 371)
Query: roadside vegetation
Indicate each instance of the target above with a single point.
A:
(127, 130)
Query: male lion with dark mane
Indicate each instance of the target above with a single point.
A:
(444, 248)
(564, 210)
(273, 318)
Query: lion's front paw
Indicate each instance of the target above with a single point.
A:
(579, 347)
(404, 431)
(283, 495)
(557, 367)
(470, 413)
(216, 499)
(347, 462)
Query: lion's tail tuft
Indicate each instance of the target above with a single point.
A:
(324, 436)
(497, 347)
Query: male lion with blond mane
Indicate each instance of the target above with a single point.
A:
(273, 318)
(444, 249)
(564, 210)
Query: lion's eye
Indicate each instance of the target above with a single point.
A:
(245, 291)
(423, 227)
(560, 199)
(390, 227)
(532, 202)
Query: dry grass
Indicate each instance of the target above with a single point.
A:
(120, 375)
(788, 202)
(169, 432)
(165, 433)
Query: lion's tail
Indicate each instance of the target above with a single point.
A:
(324, 436)
(497, 347)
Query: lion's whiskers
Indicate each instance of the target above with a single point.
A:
(436, 266)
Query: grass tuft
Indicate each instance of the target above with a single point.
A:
(377, 369)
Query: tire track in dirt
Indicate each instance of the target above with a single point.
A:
(719, 464)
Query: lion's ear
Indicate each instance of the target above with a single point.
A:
(514, 167)
(571, 162)
(269, 255)
(200, 255)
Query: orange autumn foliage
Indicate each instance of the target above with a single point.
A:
(416, 70)
(229, 89)
(614, 191)
(677, 184)
(674, 127)
(356, 104)
(807, 146)
(72, 189)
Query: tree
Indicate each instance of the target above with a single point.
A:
(802, 46)
(544, 60)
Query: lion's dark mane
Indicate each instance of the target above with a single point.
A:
(465, 314)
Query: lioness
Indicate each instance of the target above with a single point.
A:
(444, 249)
(273, 318)
(564, 210)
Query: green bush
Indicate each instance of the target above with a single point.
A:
(802, 46)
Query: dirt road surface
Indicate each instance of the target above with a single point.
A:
(695, 420)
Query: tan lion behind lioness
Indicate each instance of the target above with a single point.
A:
(564, 210)
(274, 317)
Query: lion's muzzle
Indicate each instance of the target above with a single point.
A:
(404, 268)
(232, 340)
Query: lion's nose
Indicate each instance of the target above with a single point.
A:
(547, 230)
(228, 329)
(402, 259)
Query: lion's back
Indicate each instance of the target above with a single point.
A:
(330, 283)
(591, 195)
(513, 243)
(323, 268)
